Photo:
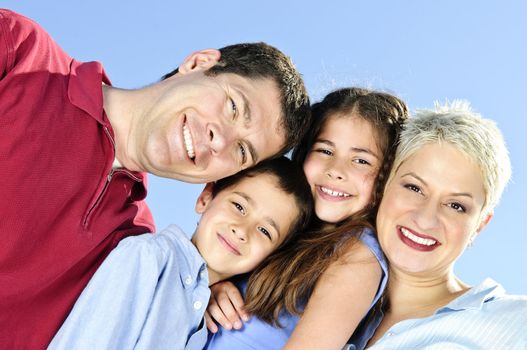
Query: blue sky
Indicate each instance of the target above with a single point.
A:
(420, 50)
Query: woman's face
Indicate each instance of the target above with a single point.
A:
(341, 167)
(430, 211)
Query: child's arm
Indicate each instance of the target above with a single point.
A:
(340, 300)
(226, 307)
(111, 310)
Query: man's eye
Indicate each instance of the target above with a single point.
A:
(234, 108)
(243, 153)
(265, 232)
(239, 207)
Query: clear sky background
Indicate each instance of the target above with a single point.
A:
(420, 50)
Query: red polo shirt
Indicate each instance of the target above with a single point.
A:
(62, 207)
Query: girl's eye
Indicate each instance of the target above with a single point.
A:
(457, 207)
(239, 207)
(324, 151)
(265, 232)
(243, 153)
(413, 188)
(361, 161)
(234, 108)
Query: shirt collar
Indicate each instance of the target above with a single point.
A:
(475, 297)
(85, 88)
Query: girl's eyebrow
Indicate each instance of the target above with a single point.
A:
(354, 149)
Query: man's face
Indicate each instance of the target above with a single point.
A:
(202, 128)
(242, 224)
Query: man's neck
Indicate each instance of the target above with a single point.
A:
(118, 105)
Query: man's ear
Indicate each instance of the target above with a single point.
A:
(199, 60)
(204, 198)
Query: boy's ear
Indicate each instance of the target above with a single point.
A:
(199, 60)
(204, 198)
(484, 222)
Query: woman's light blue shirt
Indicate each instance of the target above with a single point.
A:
(482, 318)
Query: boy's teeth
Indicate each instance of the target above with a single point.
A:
(188, 142)
(334, 193)
(416, 239)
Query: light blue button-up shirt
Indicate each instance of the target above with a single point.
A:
(482, 318)
(151, 292)
(259, 335)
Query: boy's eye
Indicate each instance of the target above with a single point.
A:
(239, 207)
(265, 232)
(457, 207)
(243, 153)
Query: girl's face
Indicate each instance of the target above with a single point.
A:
(341, 167)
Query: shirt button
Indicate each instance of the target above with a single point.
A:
(390, 334)
(203, 274)
(188, 280)
(197, 305)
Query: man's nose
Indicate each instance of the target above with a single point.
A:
(218, 138)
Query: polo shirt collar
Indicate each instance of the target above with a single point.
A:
(85, 88)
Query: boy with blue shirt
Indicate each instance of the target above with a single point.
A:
(152, 290)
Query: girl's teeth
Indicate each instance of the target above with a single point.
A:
(334, 193)
(416, 239)
(188, 142)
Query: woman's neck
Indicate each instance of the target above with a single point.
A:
(415, 296)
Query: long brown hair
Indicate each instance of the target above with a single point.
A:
(285, 280)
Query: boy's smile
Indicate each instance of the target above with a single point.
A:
(242, 224)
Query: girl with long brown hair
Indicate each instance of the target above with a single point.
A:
(334, 273)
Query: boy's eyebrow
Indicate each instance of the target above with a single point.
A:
(254, 204)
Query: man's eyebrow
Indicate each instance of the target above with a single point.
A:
(247, 119)
(254, 204)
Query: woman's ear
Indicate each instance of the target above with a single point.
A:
(199, 60)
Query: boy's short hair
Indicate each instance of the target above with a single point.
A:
(476, 137)
(263, 61)
(290, 179)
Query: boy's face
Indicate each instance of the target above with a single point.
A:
(242, 225)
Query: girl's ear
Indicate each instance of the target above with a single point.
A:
(204, 198)
(199, 60)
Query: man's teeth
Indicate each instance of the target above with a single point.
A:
(419, 240)
(188, 142)
(334, 193)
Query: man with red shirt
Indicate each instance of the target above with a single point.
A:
(75, 150)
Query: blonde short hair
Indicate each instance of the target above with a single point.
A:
(478, 138)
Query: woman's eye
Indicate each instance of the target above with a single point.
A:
(457, 207)
(413, 188)
(239, 207)
(264, 231)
